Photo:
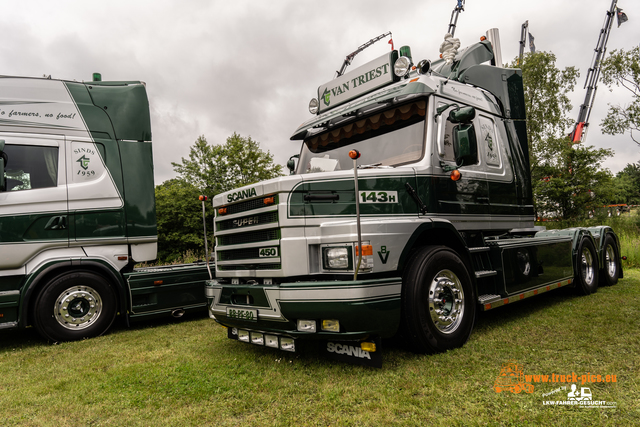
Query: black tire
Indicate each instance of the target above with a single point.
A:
(438, 302)
(586, 277)
(75, 306)
(610, 269)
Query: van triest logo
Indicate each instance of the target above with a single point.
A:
(84, 162)
(239, 195)
(326, 97)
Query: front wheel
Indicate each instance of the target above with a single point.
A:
(74, 306)
(437, 300)
(587, 268)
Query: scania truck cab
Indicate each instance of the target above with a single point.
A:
(77, 210)
(437, 213)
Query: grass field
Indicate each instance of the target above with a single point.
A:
(179, 373)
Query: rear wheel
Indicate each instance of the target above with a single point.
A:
(609, 275)
(587, 271)
(74, 306)
(437, 301)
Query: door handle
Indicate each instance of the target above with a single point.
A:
(57, 223)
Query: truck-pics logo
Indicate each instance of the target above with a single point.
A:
(511, 378)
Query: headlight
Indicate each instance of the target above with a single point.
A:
(401, 67)
(337, 258)
(313, 106)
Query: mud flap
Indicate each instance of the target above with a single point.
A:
(352, 352)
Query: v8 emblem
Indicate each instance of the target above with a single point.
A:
(385, 257)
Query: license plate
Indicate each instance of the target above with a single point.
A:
(242, 314)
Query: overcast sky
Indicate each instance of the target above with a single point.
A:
(216, 67)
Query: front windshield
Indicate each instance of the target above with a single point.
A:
(391, 138)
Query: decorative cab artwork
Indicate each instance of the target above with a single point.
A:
(488, 138)
(87, 164)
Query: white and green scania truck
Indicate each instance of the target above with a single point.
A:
(77, 210)
(440, 204)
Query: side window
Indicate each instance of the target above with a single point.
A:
(30, 167)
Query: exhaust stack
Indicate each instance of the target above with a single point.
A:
(494, 37)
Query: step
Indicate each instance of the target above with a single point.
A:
(488, 299)
(479, 249)
(486, 273)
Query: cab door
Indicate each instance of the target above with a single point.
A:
(33, 204)
(465, 199)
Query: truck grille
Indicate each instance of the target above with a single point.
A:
(248, 205)
(259, 232)
(235, 254)
(259, 219)
(249, 237)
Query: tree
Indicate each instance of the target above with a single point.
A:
(627, 183)
(576, 183)
(565, 179)
(622, 69)
(179, 219)
(214, 169)
(547, 104)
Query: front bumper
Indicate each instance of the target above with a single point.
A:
(364, 308)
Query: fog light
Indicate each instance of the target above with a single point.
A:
(287, 344)
(234, 331)
(243, 336)
(306, 325)
(271, 341)
(257, 338)
(368, 346)
(331, 325)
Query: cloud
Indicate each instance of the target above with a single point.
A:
(218, 67)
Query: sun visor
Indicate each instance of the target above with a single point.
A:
(362, 107)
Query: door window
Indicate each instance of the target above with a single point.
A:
(30, 167)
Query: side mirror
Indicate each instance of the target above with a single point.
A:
(3, 163)
(291, 163)
(465, 145)
(462, 115)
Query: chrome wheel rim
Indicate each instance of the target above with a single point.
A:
(586, 266)
(78, 308)
(446, 301)
(610, 261)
